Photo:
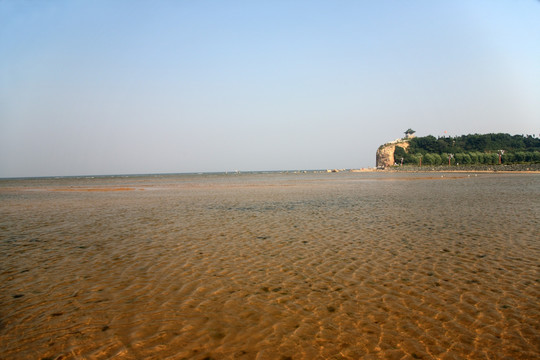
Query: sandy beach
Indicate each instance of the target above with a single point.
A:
(271, 266)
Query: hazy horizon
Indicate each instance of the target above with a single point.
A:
(113, 88)
(228, 171)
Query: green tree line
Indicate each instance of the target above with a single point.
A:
(471, 149)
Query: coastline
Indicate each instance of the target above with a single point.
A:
(513, 168)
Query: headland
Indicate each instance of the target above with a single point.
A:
(466, 153)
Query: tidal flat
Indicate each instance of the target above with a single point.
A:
(271, 266)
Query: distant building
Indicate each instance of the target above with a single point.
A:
(409, 134)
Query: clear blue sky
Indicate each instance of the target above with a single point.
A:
(119, 87)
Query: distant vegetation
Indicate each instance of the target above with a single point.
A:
(471, 149)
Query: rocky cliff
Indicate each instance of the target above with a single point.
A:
(385, 153)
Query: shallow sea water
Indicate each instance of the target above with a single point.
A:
(271, 266)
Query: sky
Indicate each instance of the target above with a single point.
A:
(134, 87)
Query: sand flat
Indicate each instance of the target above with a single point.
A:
(272, 266)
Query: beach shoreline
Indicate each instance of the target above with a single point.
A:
(505, 169)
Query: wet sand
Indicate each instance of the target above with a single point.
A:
(271, 266)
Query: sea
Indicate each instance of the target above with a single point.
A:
(271, 265)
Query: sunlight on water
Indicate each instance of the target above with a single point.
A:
(271, 266)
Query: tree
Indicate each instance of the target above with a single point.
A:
(474, 158)
(429, 159)
(508, 158)
(481, 157)
(519, 156)
(472, 149)
(428, 143)
(491, 158)
(399, 152)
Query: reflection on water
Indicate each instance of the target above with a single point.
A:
(271, 266)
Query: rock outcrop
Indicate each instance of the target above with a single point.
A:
(385, 153)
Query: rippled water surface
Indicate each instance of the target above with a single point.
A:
(271, 266)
